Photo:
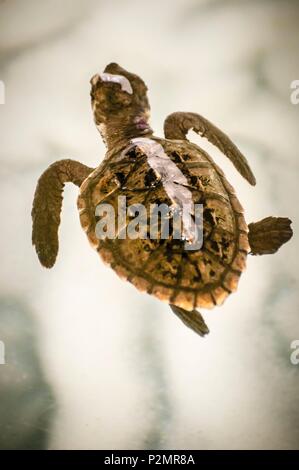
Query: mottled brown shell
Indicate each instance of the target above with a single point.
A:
(187, 279)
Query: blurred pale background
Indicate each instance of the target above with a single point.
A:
(90, 362)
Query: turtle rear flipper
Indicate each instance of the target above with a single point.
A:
(47, 205)
(192, 319)
(268, 235)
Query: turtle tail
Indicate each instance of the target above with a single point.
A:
(47, 205)
(192, 319)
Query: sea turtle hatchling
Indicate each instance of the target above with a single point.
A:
(147, 170)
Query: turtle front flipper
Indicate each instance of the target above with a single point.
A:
(268, 235)
(192, 319)
(47, 206)
(177, 125)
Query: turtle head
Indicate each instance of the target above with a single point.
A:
(118, 95)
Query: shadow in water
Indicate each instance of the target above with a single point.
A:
(26, 400)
